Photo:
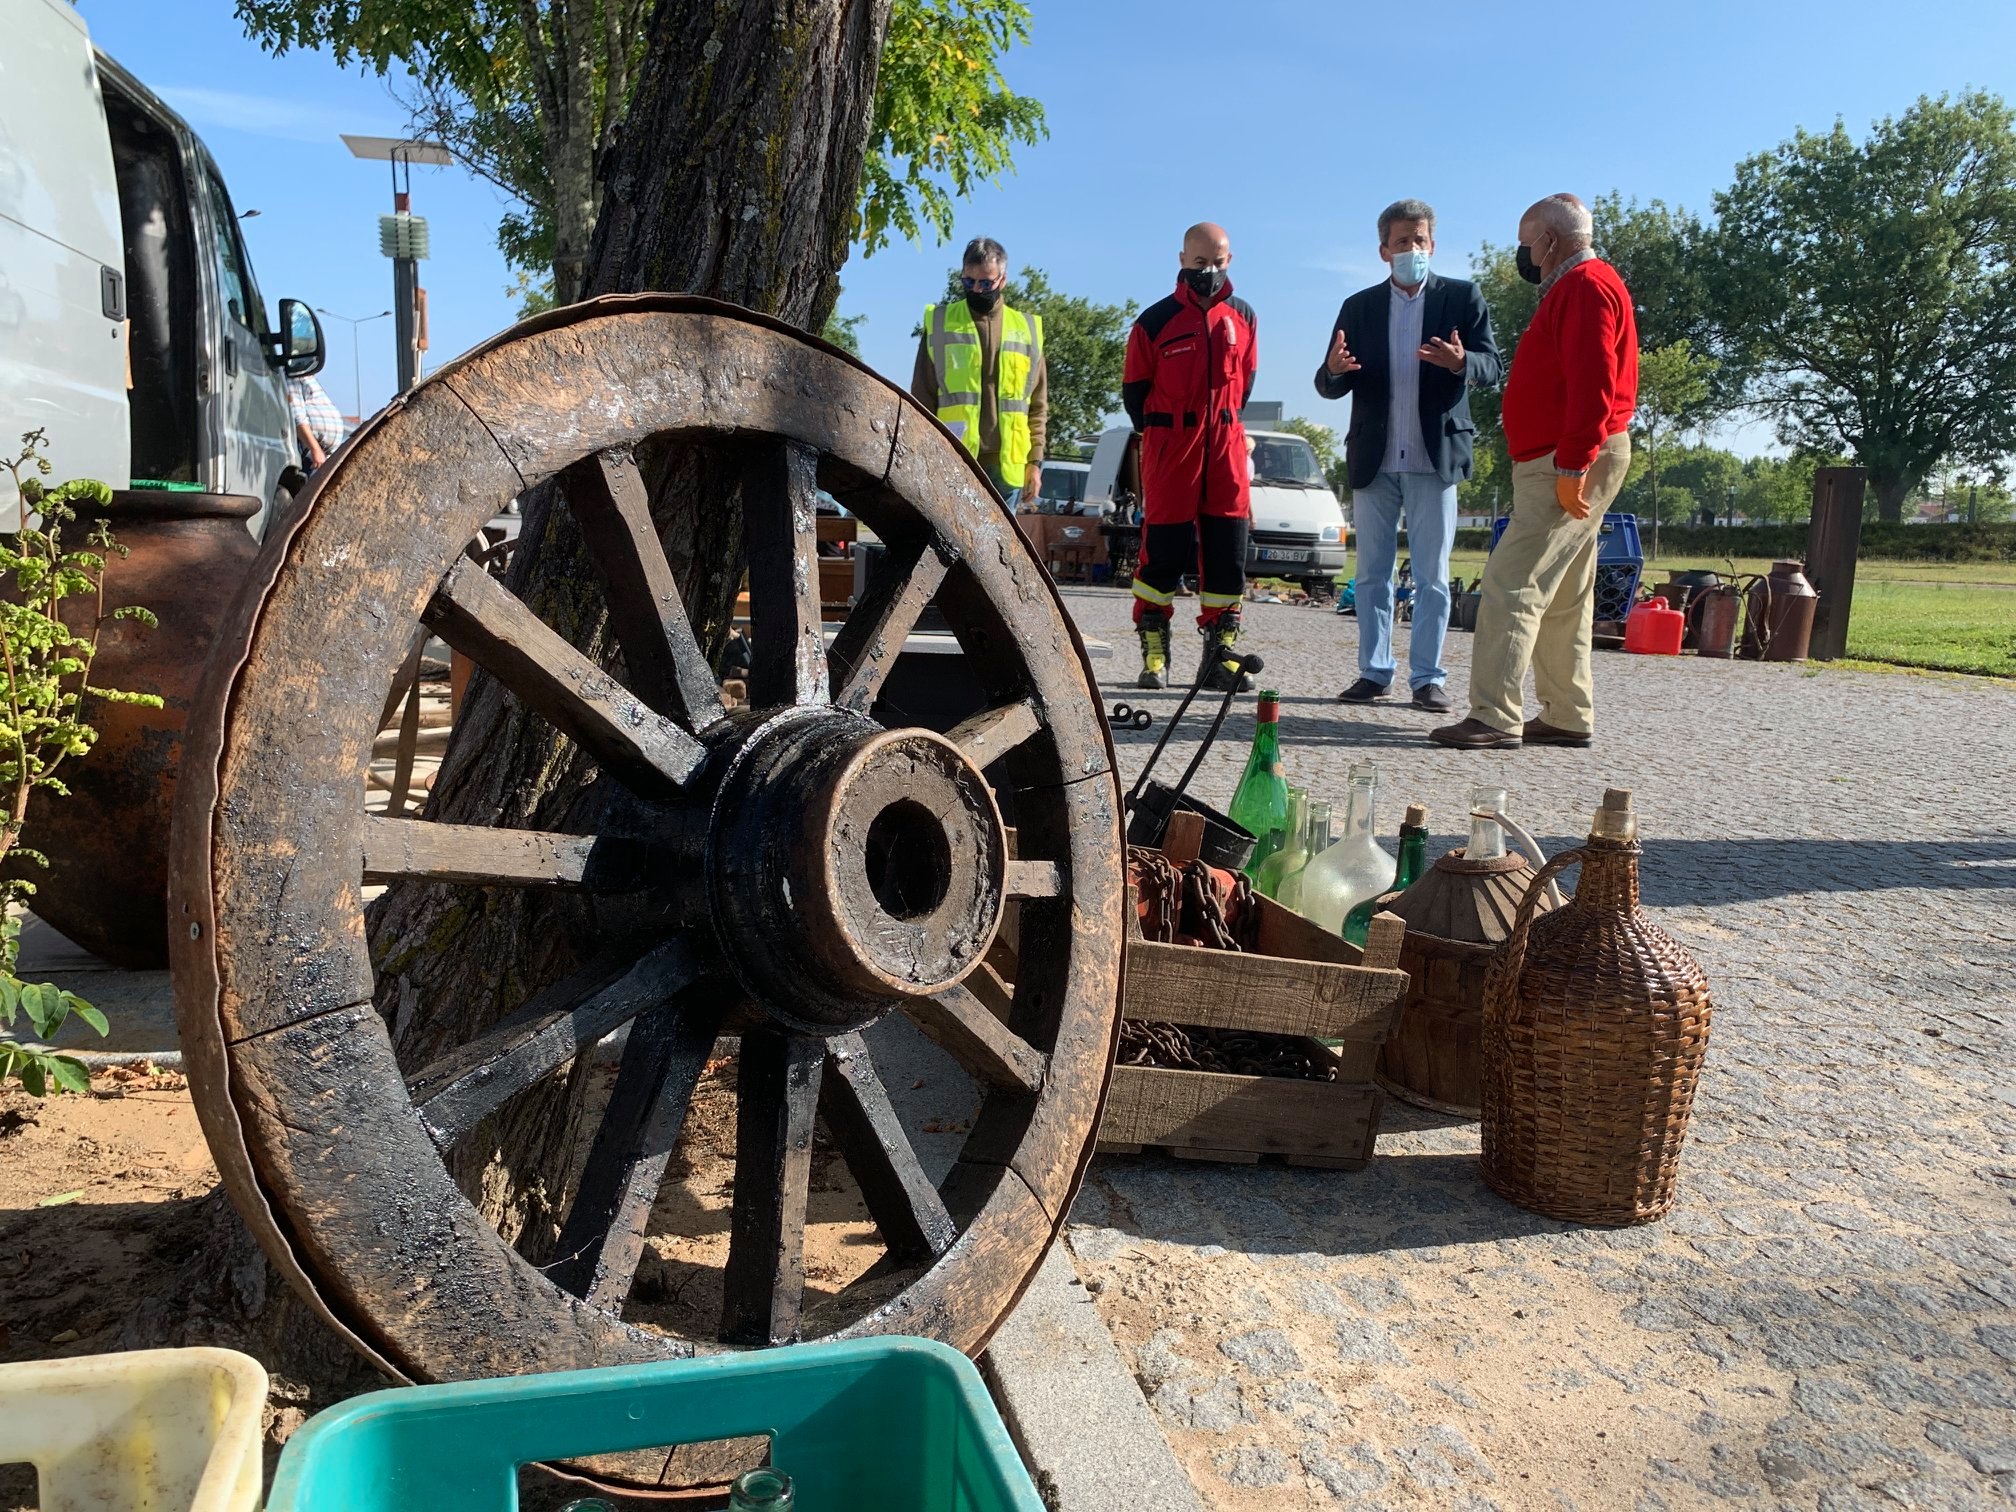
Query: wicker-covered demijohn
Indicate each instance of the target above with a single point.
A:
(1457, 915)
(1595, 1022)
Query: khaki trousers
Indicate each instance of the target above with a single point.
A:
(1538, 599)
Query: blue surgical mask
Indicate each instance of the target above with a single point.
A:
(1409, 268)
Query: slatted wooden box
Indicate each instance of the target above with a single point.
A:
(1303, 981)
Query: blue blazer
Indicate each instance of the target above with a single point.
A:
(1453, 304)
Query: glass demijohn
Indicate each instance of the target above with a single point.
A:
(1355, 867)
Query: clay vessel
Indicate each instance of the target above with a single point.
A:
(106, 885)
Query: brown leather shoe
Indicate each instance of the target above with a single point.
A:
(1474, 735)
(1539, 732)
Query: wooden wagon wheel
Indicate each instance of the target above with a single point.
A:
(805, 868)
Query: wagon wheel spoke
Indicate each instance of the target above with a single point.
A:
(962, 1026)
(869, 643)
(460, 1090)
(905, 1205)
(417, 849)
(479, 617)
(992, 733)
(667, 668)
(763, 1285)
(780, 521)
(603, 1238)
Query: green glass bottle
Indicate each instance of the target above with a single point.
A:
(1413, 862)
(1291, 856)
(1260, 804)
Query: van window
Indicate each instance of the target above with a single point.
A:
(234, 276)
(1064, 483)
(1285, 459)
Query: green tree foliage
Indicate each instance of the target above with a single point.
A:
(1084, 344)
(528, 93)
(1673, 393)
(842, 331)
(1869, 289)
(46, 661)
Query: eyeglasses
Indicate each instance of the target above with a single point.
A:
(982, 285)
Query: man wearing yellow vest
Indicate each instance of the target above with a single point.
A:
(980, 369)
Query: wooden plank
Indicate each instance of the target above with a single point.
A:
(1227, 989)
(1284, 932)
(465, 1086)
(777, 1100)
(960, 1024)
(1383, 940)
(787, 645)
(839, 528)
(474, 613)
(905, 1205)
(1034, 879)
(400, 849)
(866, 647)
(1260, 1115)
(1183, 840)
(992, 733)
(666, 665)
(602, 1240)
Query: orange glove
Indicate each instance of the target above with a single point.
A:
(1568, 494)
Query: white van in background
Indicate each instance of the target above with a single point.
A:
(131, 328)
(1298, 530)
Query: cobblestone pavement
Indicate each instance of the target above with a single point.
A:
(1827, 1320)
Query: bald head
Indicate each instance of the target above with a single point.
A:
(1205, 245)
(1555, 229)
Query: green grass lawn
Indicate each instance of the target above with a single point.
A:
(1952, 616)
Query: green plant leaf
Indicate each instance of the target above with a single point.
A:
(71, 1074)
(30, 1071)
(61, 1199)
(88, 1013)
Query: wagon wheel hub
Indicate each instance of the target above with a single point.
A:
(851, 868)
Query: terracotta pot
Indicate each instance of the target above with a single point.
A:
(106, 885)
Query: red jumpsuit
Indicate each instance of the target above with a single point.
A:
(1190, 370)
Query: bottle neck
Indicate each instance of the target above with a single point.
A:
(1609, 880)
(1487, 840)
(1358, 811)
(1413, 854)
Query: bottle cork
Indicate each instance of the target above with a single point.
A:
(1417, 816)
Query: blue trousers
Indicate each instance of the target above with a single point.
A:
(1429, 506)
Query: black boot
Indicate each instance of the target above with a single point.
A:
(1221, 656)
(1153, 628)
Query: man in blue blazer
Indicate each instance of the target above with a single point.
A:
(1408, 351)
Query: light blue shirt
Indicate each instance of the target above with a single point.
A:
(1406, 446)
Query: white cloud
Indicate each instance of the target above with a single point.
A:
(265, 115)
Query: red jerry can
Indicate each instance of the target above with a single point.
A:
(1655, 629)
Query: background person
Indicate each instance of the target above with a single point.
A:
(318, 424)
(1190, 364)
(980, 369)
(1408, 350)
(1567, 424)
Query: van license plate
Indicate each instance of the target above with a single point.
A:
(1282, 554)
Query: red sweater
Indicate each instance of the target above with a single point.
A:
(1574, 376)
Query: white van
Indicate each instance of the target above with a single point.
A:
(131, 328)
(1298, 526)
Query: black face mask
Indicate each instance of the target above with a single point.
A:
(1528, 269)
(1205, 283)
(982, 303)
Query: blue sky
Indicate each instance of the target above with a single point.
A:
(1291, 121)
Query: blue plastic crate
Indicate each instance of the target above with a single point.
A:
(864, 1425)
(1620, 563)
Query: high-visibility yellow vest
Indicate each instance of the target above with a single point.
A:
(955, 354)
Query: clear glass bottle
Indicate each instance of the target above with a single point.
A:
(1413, 862)
(1355, 867)
(764, 1490)
(1487, 840)
(1292, 854)
(1289, 894)
(1260, 802)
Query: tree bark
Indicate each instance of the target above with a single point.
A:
(736, 176)
(1890, 495)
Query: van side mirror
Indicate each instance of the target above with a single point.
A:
(303, 350)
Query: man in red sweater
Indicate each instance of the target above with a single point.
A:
(1567, 418)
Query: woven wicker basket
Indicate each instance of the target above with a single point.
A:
(1595, 1022)
(1457, 915)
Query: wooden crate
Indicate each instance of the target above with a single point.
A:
(1303, 981)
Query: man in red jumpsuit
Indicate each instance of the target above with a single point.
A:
(1190, 365)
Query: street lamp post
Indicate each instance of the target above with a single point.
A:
(402, 236)
(356, 361)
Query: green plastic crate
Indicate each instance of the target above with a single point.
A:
(866, 1425)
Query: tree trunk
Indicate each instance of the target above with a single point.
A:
(1890, 495)
(736, 176)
